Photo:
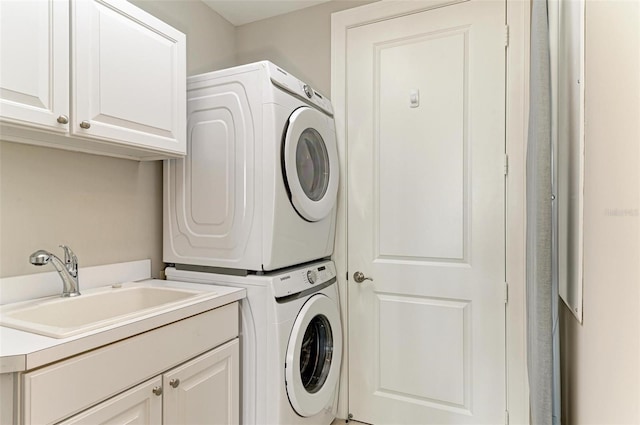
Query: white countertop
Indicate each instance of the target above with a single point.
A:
(20, 350)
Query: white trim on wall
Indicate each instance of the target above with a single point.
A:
(516, 121)
(518, 19)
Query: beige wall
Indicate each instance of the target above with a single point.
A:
(601, 357)
(106, 209)
(299, 42)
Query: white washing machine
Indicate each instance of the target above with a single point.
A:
(291, 342)
(258, 187)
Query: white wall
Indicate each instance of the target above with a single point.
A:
(107, 210)
(601, 358)
(299, 42)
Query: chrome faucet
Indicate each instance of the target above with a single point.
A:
(68, 270)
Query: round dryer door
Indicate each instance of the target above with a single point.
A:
(313, 358)
(310, 163)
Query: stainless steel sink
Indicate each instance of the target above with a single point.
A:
(63, 317)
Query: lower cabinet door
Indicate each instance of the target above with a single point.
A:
(139, 405)
(204, 390)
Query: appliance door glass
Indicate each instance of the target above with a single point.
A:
(313, 356)
(316, 353)
(310, 163)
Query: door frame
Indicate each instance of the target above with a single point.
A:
(517, 101)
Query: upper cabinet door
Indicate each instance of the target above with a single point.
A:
(34, 70)
(128, 76)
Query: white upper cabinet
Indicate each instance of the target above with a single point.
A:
(129, 76)
(34, 63)
(105, 76)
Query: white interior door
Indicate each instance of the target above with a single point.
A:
(426, 199)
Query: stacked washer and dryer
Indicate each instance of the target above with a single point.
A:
(253, 205)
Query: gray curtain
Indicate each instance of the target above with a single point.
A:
(542, 285)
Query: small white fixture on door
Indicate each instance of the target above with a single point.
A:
(258, 188)
(414, 98)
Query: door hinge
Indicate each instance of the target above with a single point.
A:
(506, 36)
(506, 292)
(506, 164)
(506, 417)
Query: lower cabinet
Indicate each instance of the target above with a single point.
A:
(139, 405)
(186, 372)
(203, 390)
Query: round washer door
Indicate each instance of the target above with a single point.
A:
(311, 168)
(313, 358)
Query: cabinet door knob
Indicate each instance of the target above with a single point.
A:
(63, 119)
(85, 124)
(174, 383)
(157, 390)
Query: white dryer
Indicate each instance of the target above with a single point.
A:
(258, 187)
(291, 342)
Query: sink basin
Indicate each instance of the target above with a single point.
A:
(63, 317)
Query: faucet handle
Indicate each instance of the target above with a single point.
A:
(70, 259)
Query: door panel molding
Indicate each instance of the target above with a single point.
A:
(448, 216)
(450, 358)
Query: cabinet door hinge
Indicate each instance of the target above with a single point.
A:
(506, 164)
(506, 36)
(506, 292)
(506, 417)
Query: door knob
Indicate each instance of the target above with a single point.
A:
(360, 277)
(157, 390)
(174, 383)
(85, 124)
(63, 119)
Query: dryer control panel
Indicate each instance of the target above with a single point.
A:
(296, 87)
(304, 279)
